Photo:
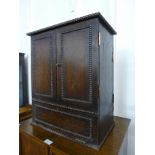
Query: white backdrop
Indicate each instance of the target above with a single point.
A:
(36, 14)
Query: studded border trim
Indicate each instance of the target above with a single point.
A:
(61, 129)
(89, 68)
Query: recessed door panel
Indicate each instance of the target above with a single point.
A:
(75, 65)
(42, 70)
(43, 66)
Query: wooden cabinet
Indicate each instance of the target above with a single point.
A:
(72, 79)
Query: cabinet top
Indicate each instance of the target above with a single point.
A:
(83, 18)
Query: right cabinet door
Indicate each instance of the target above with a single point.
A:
(77, 64)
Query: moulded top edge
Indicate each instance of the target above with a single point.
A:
(83, 18)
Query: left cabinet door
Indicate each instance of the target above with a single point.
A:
(43, 61)
(31, 145)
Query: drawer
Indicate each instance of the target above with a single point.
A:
(62, 121)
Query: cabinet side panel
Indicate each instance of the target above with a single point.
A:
(106, 82)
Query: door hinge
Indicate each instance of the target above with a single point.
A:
(99, 38)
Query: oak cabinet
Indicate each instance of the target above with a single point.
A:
(72, 79)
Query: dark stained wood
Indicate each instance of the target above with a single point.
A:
(75, 73)
(106, 81)
(63, 120)
(77, 48)
(90, 16)
(72, 80)
(43, 66)
(32, 138)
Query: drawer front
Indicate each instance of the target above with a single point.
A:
(64, 122)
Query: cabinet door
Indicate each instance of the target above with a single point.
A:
(77, 49)
(43, 66)
(30, 145)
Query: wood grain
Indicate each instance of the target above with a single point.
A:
(32, 137)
